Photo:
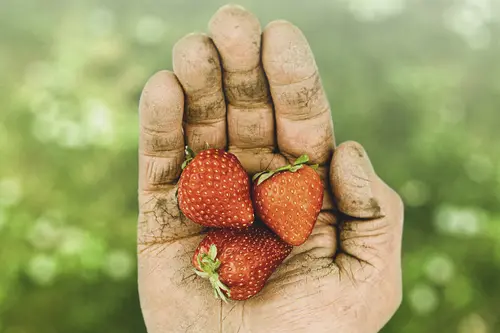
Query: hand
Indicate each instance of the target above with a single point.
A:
(260, 96)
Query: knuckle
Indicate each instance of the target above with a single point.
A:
(251, 129)
(157, 171)
(301, 100)
(154, 142)
(207, 108)
(244, 88)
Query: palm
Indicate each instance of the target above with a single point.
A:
(267, 106)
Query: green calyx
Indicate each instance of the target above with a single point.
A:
(189, 156)
(189, 153)
(209, 264)
(298, 164)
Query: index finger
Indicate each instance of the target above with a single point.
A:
(161, 152)
(303, 117)
(161, 141)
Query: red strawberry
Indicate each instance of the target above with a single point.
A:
(214, 190)
(289, 200)
(238, 262)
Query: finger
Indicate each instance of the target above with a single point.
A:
(373, 225)
(303, 117)
(237, 34)
(161, 143)
(196, 64)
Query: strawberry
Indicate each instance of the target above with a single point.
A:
(214, 190)
(238, 262)
(289, 200)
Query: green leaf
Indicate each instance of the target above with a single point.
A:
(204, 275)
(283, 168)
(301, 160)
(208, 263)
(218, 286)
(314, 166)
(257, 175)
(223, 286)
(264, 177)
(198, 260)
(221, 295)
(205, 258)
(185, 163)
(212, 253)
(295, 168)
(189, 152)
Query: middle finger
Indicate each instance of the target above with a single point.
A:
(196, 64)
(237, 35)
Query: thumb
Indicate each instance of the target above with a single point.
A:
(370, 231)
(373, 224)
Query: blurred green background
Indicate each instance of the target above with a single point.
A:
(417, 82)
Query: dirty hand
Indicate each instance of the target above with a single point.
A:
(259, 95)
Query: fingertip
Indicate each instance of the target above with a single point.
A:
(229, 11)
(354, 146)
(196, 62)
(162, 101)
(185, 43)
(231, 7)
(279, 24)
(286, 54)
(278, 33)
(160, 81)
(234, 20)
(351, 153)
(162, 77)
(236, 33)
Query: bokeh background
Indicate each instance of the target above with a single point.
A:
(416, 82)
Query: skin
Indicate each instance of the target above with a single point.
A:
(259, 95)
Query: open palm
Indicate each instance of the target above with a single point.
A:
(259, 95)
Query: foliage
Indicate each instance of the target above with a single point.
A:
(416, 82)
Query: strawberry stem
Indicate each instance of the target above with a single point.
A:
(209, 264)
(299, 162)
